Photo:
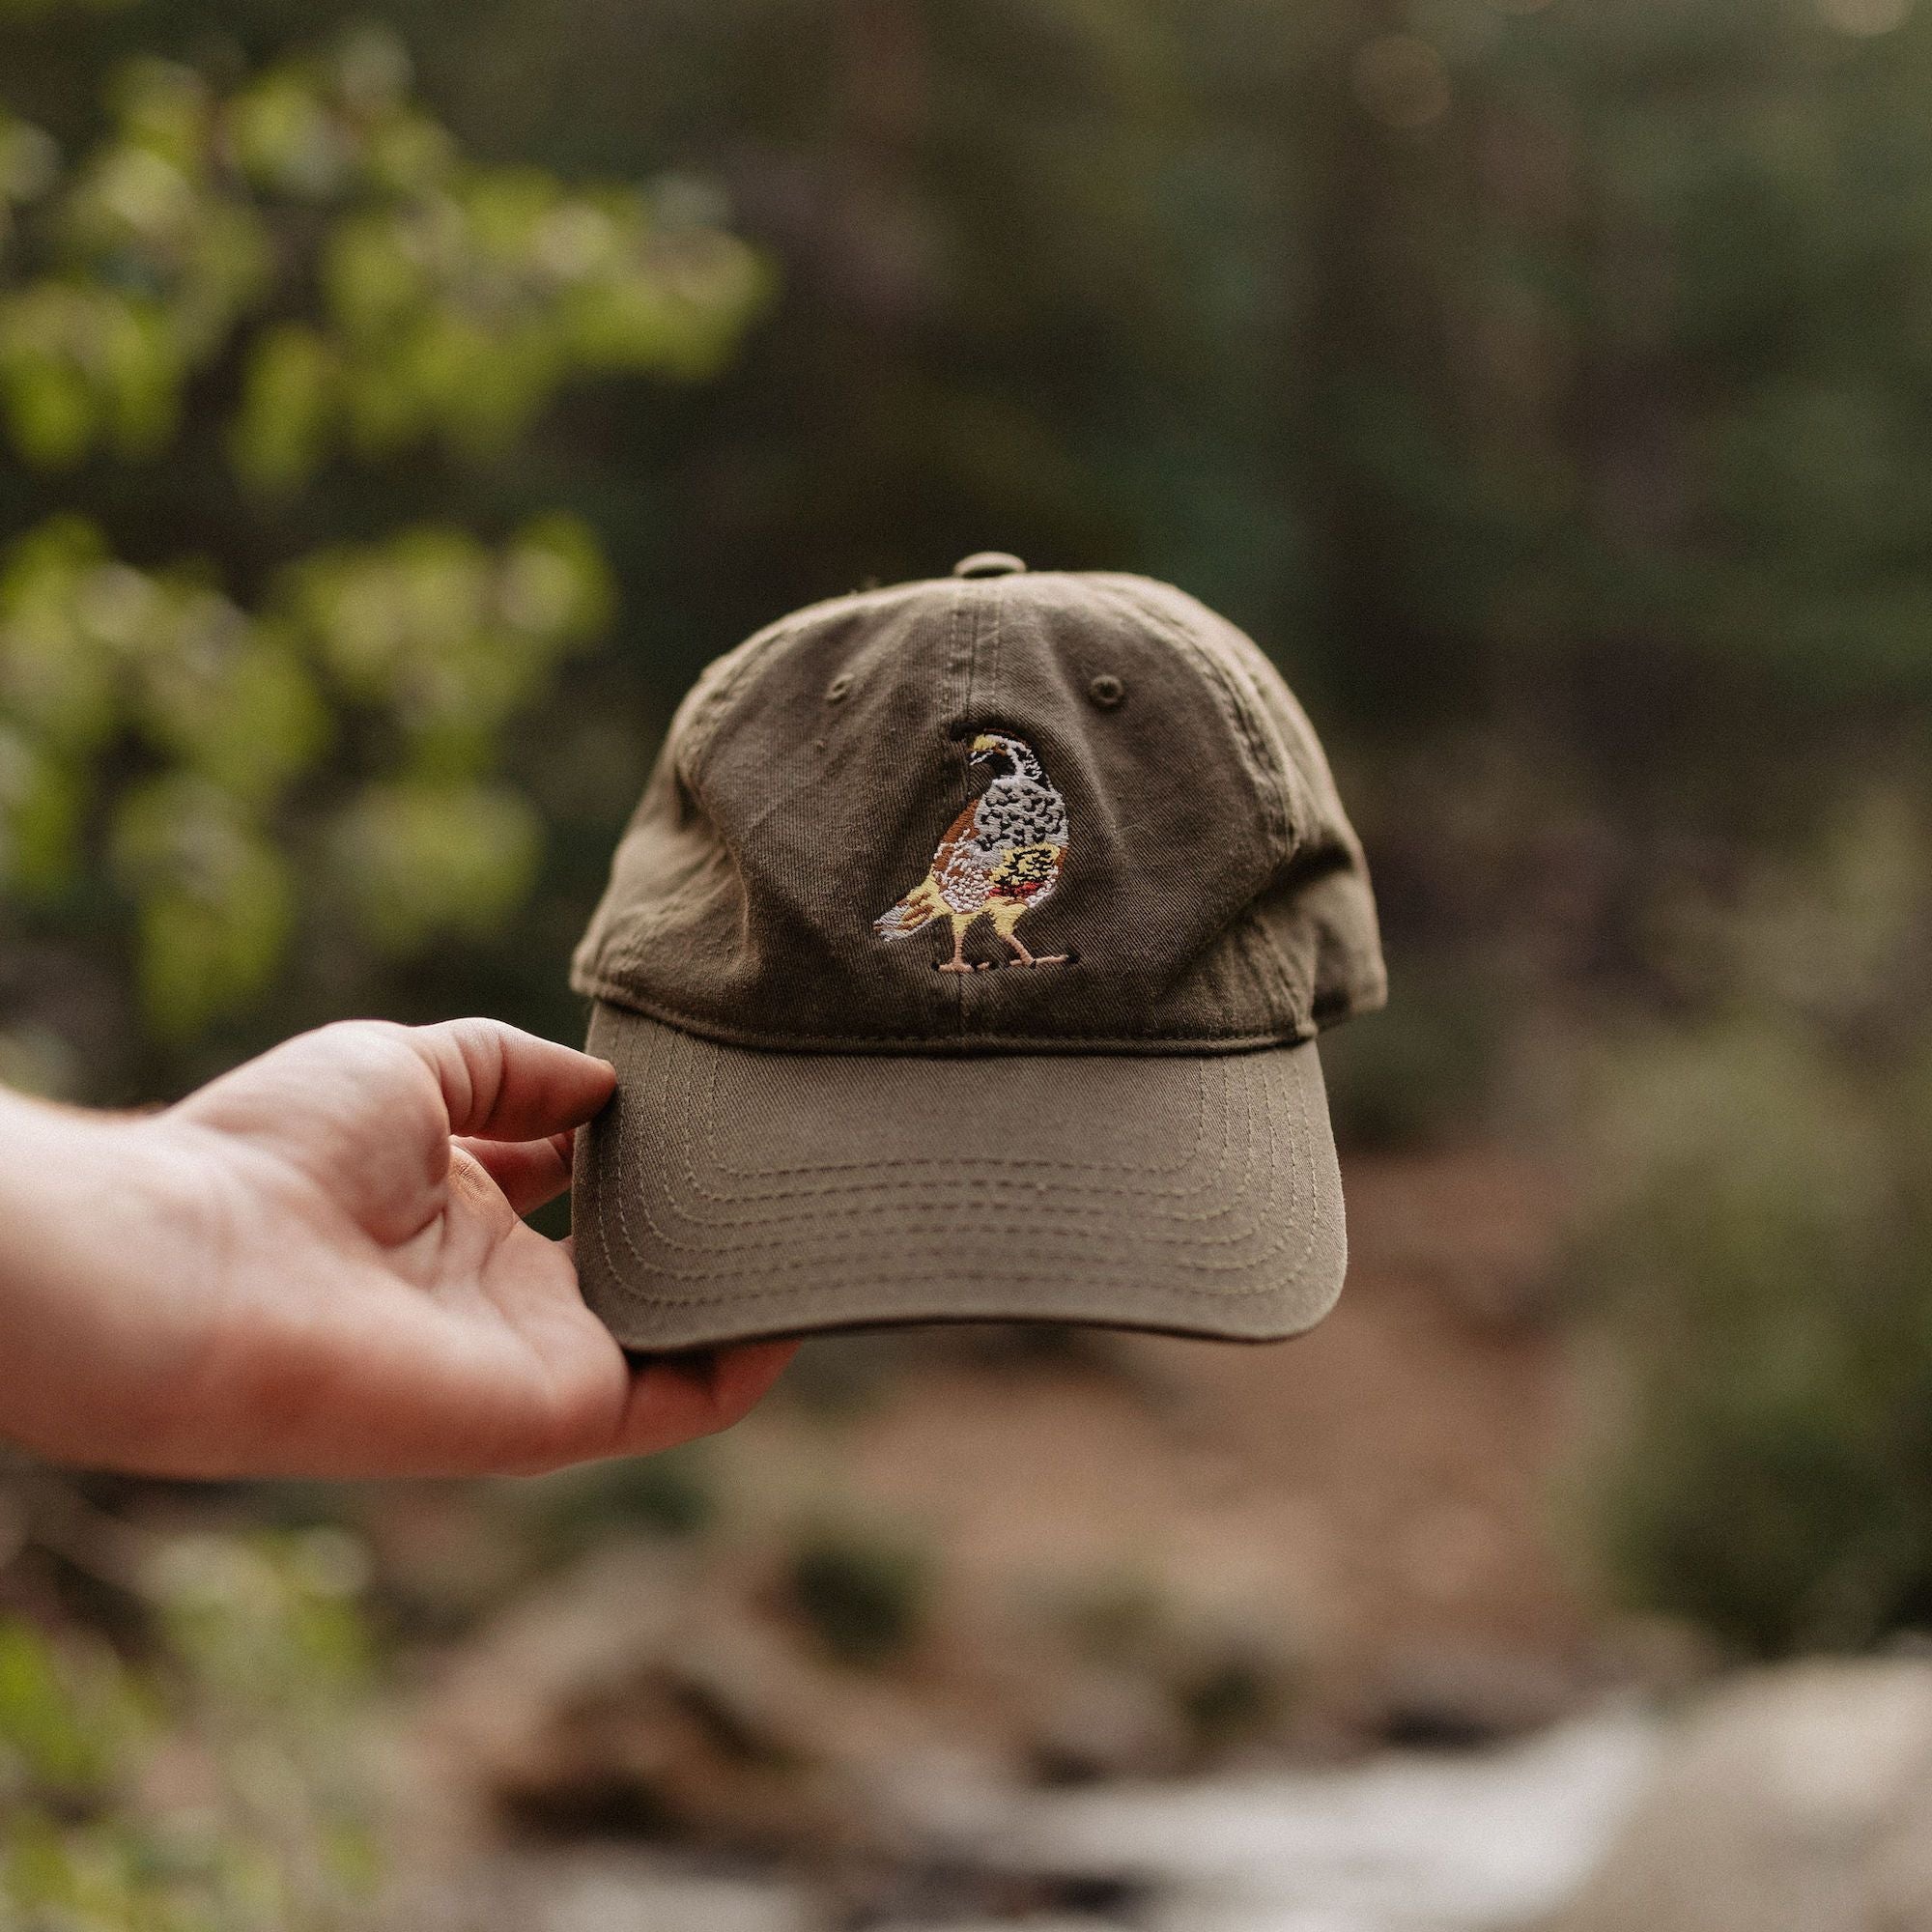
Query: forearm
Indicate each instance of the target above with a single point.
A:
(317, 1265)
(80, 1196)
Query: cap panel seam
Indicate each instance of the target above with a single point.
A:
(689, 757)
(629, 937)
(692, 728)
(1251, 664)
(735, 668)
(1256, 747)
(1261, 957)
(963, 662)
(1251, 738)
(989, 615)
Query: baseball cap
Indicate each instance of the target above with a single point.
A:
(964, 961)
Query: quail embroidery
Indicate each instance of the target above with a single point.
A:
(999, 859)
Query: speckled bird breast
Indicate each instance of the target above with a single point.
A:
(1016, 811)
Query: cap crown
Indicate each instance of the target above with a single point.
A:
(1043, 764)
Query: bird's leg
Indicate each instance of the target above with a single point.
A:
(959, 963)
(1023, 956)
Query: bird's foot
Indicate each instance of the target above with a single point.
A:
(1041, 959)
(957, 966)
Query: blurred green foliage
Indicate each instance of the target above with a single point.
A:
(211, 1783)
(202, 791)
(375, 289)
(670, 1496)
(1230, 1697)
(1762, 1257)
(864, 1592)
(220, 766)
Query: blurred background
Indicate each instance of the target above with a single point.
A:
(398, 408)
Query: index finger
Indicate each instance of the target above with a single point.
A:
(677, 1398)
(531, 1174)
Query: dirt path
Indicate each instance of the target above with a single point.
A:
(1363, 1510)
(1372, 1493)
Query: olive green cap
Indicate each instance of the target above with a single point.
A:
(964, 961)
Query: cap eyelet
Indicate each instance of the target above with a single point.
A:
(989, 563)
(1106, 691)
(839, 689)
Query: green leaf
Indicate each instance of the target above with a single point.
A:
(67, 1716)
(291, 396)
(64, 615)
(51, 415)
(288, 138)
(231, 701)
(215, 901)
(164, 107)
(555, 583)
(372, 279)
(29, 160)
(419, 861)
(446, 638)
(41, 802)
(141, 374)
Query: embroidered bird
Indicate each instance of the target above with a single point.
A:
(1000, 859)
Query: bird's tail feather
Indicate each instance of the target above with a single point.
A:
(918, 909)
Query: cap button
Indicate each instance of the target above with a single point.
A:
(988, 563)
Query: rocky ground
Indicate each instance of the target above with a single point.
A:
(990, 1627)
(1407, 1841)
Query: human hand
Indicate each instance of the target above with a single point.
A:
(317, 1265)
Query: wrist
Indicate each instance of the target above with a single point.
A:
(98, 1213)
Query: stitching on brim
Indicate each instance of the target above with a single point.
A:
(999, 1170)
(1019, 1166)
(858, 1211)
(998, 1162)
(1087, 1278)
(608, 1168)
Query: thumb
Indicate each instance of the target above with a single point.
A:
(501, 1084)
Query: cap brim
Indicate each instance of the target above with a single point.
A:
(727, 1195)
